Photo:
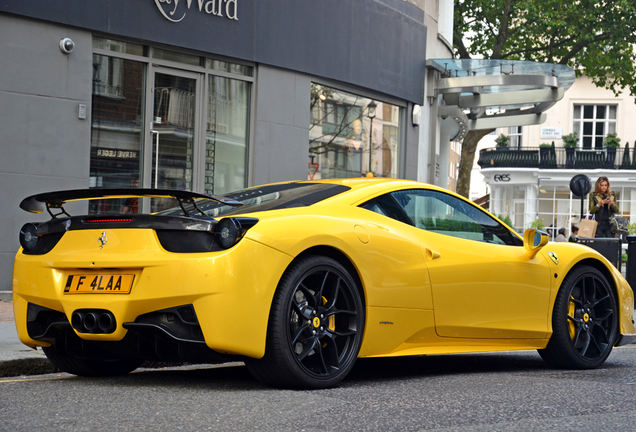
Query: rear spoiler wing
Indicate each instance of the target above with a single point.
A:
(56, 200)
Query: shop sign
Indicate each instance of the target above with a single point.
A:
(168, 8)
(117, 154)
(551, 133)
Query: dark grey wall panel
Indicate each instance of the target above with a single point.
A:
(375, 44)
(282, 127)
(44, 145)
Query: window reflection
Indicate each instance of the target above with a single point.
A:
(226, 135)
(117, 132)
(347, 138)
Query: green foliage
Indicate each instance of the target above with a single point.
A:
(537, 224)
(594, 36)
(502, 141)
(612, 141)
(632, 228)
(505, 219)
(624, 257)
(545, 145)
(570, 140)
(449, 225)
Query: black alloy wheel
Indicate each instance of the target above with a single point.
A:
(316, 327)
(584, 321)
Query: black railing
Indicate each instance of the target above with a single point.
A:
(550, 157)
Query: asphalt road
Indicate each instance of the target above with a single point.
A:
(485, 392)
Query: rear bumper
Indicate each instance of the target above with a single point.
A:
(168, 335)
(230, 291)
(626, 339)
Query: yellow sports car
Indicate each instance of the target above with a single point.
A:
(299, 279)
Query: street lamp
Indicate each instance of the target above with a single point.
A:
(371, 114)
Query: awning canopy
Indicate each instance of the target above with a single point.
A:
(485, 94)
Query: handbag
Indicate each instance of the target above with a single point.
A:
(587, 228)
(618, 225)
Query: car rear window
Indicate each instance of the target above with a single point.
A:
(262, 198)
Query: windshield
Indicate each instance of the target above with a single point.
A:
(261, 198)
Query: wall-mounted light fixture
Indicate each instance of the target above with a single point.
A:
(67, 45)
(417, 115)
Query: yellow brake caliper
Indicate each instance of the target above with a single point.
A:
(332, 320)
(571, 327)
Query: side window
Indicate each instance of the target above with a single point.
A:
(445, 214)
(386, 205)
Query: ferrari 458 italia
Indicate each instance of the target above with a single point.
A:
(299, 279)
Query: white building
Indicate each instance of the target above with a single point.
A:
(526, 186)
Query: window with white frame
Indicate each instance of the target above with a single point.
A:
(515, 133)
(592, 123)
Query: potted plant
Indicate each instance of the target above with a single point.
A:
(502, 142)
(570, 142)
(544, 155)
(505, 219)
(537, 224)
(611, 143)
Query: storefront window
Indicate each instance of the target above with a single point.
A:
(557, 208)
(119, 46)
(226, 135)
(117, 126)
(158, 125)
(177, 57)
(351, 136)
(626, 197)
(230, 67)
(173, 131)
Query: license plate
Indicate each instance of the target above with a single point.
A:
(99, 284)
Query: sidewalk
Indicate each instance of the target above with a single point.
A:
(15, 357)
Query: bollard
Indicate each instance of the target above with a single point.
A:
(631, 261)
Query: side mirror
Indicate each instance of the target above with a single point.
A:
(534, 240)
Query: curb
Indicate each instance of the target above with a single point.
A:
(6, 296)
(30, 366)
(42, 366)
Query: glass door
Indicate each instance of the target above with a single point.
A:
(174, 131)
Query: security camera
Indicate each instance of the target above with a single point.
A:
(67, 45)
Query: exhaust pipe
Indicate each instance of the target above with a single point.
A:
(77, 320)
(106, 322)
(90, 321)
(94, 321)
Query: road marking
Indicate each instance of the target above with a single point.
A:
(145, 370)
(35, 379)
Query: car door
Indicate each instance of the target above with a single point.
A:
(483, 283)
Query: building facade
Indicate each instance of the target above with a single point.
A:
(214, 96)
(527, 182)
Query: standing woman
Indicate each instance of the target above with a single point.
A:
(603, 205)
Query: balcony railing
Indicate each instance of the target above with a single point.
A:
(561, 158)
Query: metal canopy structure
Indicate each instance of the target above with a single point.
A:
(485, 94)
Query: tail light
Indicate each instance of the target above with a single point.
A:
(28, 236)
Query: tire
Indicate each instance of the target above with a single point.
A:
(315, 327)
(90, 367)
(584, 321)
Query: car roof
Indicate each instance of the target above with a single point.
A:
(364, 188)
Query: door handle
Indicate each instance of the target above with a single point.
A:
(431, 254)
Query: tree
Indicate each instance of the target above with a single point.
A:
(338, 110)
(594, 37)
